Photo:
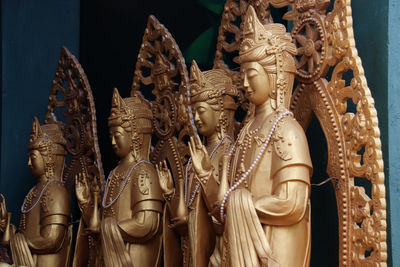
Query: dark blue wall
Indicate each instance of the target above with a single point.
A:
(32, 34)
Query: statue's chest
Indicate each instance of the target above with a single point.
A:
(119, 193)
(30, 221)
(252, 160)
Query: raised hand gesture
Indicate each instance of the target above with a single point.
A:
(200, 158)
(82, 189)
(165, 178)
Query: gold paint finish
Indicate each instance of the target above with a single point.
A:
(267, 204)
(44, 237)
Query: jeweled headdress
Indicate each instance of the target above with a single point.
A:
(269, 39)
(49, 141)
(133, 112)
(272, 47)
(215, 83)
(46, 135)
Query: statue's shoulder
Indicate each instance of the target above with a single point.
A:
(145, 183)
(288, 138)
(56, 199)
(290, 145)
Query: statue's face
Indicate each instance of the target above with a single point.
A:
(121, 141)
(205, 118)
(257, 84)
(36, 163)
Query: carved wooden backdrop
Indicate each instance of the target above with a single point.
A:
(161, 68)
(71, 97)
(327, 57)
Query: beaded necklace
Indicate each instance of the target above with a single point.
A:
(103, 202)
(198, 184)
(257, 159)
(32, 194)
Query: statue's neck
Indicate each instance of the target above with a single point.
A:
(44, 179)
(212, 141)
(264, 109)
(130, 159)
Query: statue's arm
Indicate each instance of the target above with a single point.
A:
(210, 189)
(289, 201)
(146, 208)
(143, 226)
(86, 212)
(54, 220)
(51, 235)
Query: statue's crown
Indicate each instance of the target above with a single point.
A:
(216, 82)
(128, 110)
(272, 37)
(45, 136)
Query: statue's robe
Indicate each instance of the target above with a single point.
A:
(141, 202)
(52, 213)
(268, 215)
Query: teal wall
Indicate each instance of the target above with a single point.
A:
(394, 127)
(32, 33)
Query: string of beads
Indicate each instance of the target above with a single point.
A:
(244, 176)
(29, 196)
(103, 202)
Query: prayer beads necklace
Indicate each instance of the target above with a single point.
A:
(30, 196)
(244, 176)
(103, 202)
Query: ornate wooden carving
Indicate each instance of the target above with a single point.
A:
(71, 97)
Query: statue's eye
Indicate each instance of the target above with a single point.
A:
(251, 73)
(201, 109)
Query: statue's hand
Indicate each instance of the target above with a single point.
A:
(165, 178)
(200, 158)
(82, 189)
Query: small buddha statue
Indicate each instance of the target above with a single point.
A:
(130, 228)
(44, 237)
(265, 209)
(213, 106)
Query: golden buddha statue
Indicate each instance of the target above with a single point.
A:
(44, 237)
(213, 106)
(130, 228)
(267, 179)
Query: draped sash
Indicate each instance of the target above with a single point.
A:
(247, 243)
